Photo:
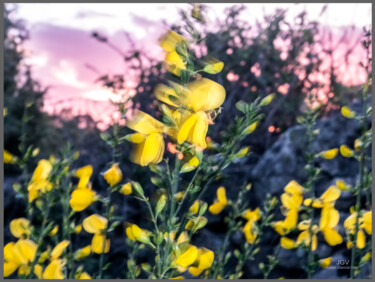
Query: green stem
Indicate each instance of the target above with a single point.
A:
(41, 235)
(190, 186)
(362, 166)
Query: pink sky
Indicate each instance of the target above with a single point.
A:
(61, 45)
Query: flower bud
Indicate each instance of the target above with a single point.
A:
(161, 204)
(138, 188)
(267, 100)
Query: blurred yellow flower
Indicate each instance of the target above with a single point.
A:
(213, 66)
(347, 112)
(94, 223)
(188, 257)
(81, 199)
(135, 233)
(20, 227)
(113, 175)
(287, 243)
(126, 189)
(18, 256)
(190, 165)
(365, 224)
(151, 148)
(54, 270)
(82, 253)
(250, 229)
(204, 261)
(78, 229)
(100, 243)
(84, 174)
(324, 263)
(220, 203)
(329, 154)
(84, 275)
(346, 151)
(175, 63)
(59, 249)
(9, 158)
(169, 40)
(54, 230)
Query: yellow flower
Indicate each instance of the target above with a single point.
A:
(324, 263)
(188, 257)
(204, 261)
(289, 223)
(84, 252)
(42, 170)
(195, 207)
(38, 270)
(81, 199)
(287, 243)
(84, 174)
(365, 223)
(20, 227)
(305, 238)
(175, 63)
(100, 243)
(220, 203)
(94, 223)
(39, 182)
(196, 223)
(78, 229)
(254, 215)
(251, 231)
(9, 158)
(84, 275)
(113, 175)
(59, 249)
(169, 40)
(204, 95)
(126, 189)
(193, 129)
(135, 233)
(151, 148)
(342, 185)
(54, 270)
(347, 112)
(190, 165)
(331, 236)
(214, 66)
(54, 230)
(178, 277)
(18, 255)
(346, 151)
(329, 154)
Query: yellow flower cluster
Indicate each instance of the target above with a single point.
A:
(250, 229)
(365, 224)
(21, 255)
(194, 105)
(328, 222)
(83, 196)
(96, 224)
(39, 182)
